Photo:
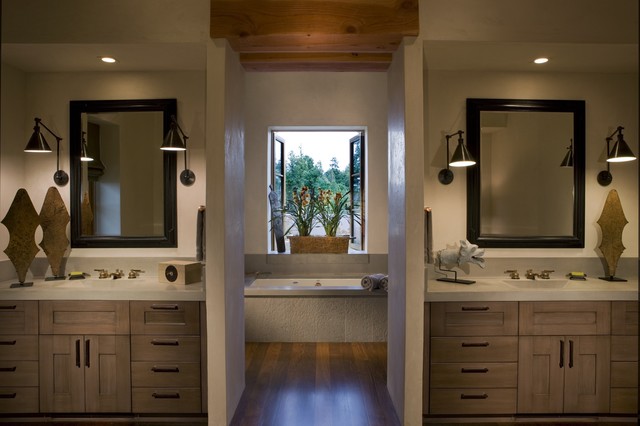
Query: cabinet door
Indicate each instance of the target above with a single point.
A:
(107, 374)
(540, 374)
(61, 374)
(587, 374)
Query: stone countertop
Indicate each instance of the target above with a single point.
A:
(505, 289)
(146, 288)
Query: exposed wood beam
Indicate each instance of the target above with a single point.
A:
(316, 61)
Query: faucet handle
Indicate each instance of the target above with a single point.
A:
(103, 273)
(545, 274)
(513, 274)
(134, 273)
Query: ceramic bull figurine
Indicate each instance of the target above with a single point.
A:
(466, 253)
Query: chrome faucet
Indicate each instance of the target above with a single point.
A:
(544, 275)
(135, 273)
(531, 275)
(513, 274)
(117, 274)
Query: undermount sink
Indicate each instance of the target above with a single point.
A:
(538, 284)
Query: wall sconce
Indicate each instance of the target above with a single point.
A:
(461, 158)
(84, 156)
(175, 141)
(568, 159)
(37, 143)
(618, 154)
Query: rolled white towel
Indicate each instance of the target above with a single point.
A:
(384, 283)
(371, 282)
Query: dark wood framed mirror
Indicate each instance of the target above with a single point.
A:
(125, 197)
(518, 196)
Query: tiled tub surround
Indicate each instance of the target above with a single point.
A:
(329, 313)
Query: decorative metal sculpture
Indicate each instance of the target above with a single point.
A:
(21, 221)
(612, 221)
(466, 253)
(54, 218)
(277, 223)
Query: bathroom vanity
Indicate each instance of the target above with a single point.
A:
(522, 348)
(102, 347)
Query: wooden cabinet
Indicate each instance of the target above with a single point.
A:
(84, 356)
(165, 357)
(19, 357)
(624, 357)
(564, 357)
(474, 355)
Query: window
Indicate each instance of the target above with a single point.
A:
(322, 160)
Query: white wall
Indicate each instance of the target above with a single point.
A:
(315, 99)
(611, 101)
(47, 95)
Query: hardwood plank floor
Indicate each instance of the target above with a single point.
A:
(315, 384)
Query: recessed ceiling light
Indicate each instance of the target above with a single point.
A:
(108, 59)
(541, 60)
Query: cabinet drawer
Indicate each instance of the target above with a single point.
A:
(474, 319)
(624, 400)
(165, 348)
(562, 318)
(165, 318)
(624, 348)
(624, 318)
(84, 317)
(19, 347)
(19, 400)
(624, 374)
(473, 401)
(18, 317)
(158, 374)
(474, 349)
(474, 375)
(165, 400)
(19, 373)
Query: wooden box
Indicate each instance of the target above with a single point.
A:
(180, 272)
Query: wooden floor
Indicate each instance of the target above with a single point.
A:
(314, 384)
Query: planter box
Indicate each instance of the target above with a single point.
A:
(314, 244)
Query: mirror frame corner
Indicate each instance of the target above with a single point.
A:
(170, 235)
(473, 108)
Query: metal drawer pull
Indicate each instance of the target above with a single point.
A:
(8, 369)
(8, 395)
(8, 342)
(164, 307)
(466, 396)
(87, 353)
(159, 342)
(165, 369)
(8, 306)
(475, 345)
(173, 395)
(561, 353)
(570, 353)
(78, 353)
(474, 370)
(475, 308)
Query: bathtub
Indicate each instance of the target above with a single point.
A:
(314, 310)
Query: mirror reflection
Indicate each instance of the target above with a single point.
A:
(124, 195)
(519, 195)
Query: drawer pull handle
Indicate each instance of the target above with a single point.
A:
(164, 307)
(8, 369)
(8, 306)
(8, 395)
(172, 395)
(561, 365)
(475, 308)
(475, 345)
(165, 369)
(78, 353)
(473, 396)
(474, 370)
(570, 353)
(8, 342)
(87, 353)
(159, 342)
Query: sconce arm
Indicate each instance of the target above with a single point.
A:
(618, 130)
(185, 137)
(40, 123)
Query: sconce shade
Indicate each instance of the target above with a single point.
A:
(84, 156)
(568, 159)
(173, 141)
(461, 156)
(620, 152)
(37, 142)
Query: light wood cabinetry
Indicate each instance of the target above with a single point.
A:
(624, 357)
(165, 357)
(84, 356)
(473, 358)
(19, 357)
(564, 357)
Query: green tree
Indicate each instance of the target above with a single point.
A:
(336, 180)
(302, 171)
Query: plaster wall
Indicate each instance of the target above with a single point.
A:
(611, 101)
(314, 99)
